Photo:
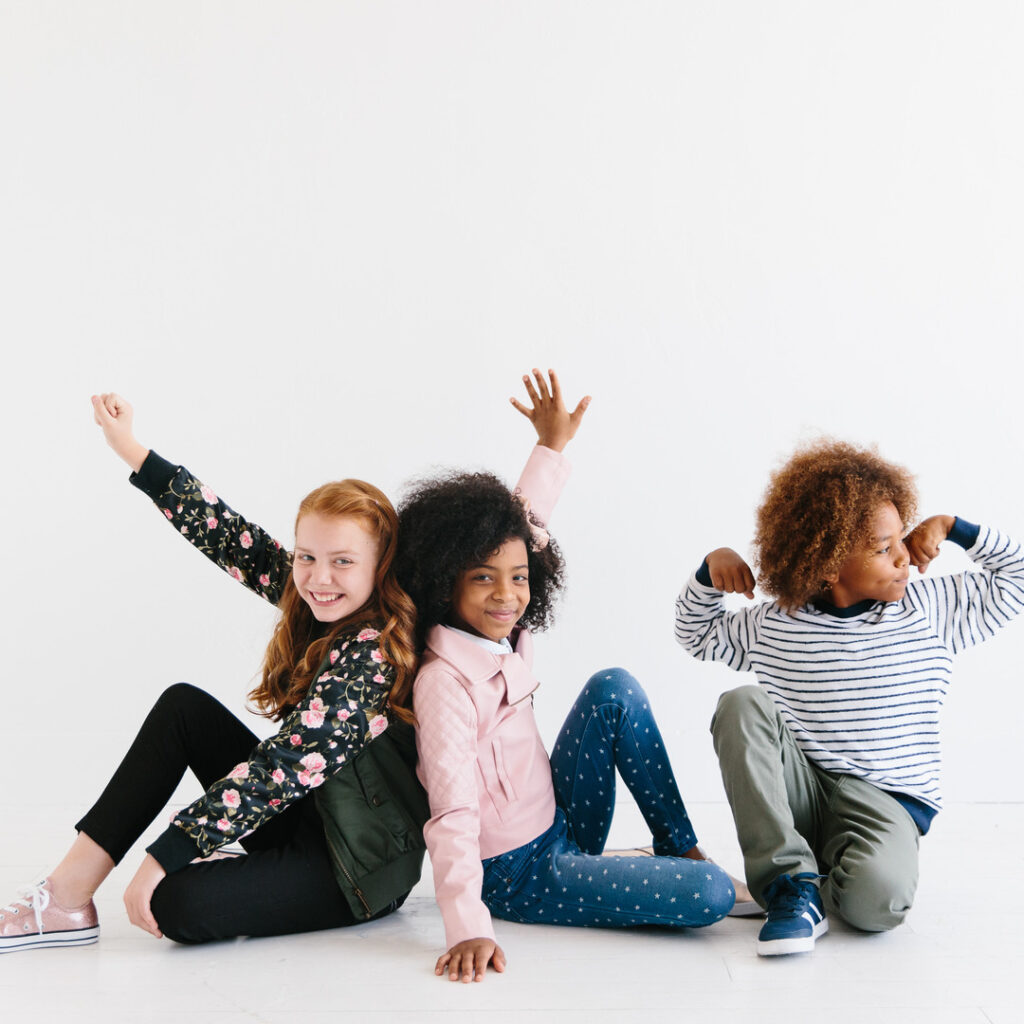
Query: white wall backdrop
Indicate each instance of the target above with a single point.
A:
(324, 239)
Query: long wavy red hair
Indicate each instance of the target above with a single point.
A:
(297, 648)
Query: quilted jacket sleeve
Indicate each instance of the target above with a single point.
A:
(446, 738)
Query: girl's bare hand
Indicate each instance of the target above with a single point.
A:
(139, 895)
(469, 960)
(114, 415)
(555, 425)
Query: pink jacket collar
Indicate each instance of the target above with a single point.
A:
(474, 665)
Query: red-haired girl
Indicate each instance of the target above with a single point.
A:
(337, 675)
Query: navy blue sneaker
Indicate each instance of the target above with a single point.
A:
(795, 916)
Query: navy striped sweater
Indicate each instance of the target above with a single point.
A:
(860, 688)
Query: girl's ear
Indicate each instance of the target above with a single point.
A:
(828, 579)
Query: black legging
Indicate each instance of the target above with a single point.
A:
(283, 884)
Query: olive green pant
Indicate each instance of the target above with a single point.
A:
(793, 817)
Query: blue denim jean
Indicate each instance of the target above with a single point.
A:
(560, 877)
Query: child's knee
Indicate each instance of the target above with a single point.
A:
(171, 906)
(613, 686)
(736, 708)
(180, 696)
(876, 897)
(721, 896)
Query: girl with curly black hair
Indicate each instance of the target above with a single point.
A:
(513, 833)
(832, 764)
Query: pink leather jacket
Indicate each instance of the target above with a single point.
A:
(481, 758)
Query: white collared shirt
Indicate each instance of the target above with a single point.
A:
(494, 646)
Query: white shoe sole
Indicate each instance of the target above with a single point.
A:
(78, 937)
(783, 947)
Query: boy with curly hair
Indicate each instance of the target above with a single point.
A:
(831, 765)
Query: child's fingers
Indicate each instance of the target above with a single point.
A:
(921, 550)
(577, 414)
(114, 404)
(531, 390)
(556, 390)
(542, 384)
(748, 581)
(498, 960)
(733, 581)
(98, 409)
(442, 963)
(104, 411)
(926, 554)
(453, 966)
(528, 413)
(458, 962)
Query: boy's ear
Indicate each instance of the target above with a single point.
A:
(830, 578)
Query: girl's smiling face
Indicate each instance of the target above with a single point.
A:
(334, 564)
(879, 569)
(490, 598)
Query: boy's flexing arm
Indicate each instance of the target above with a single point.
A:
(703, 626)
(968, 607)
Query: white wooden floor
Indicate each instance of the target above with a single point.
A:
(960, 956)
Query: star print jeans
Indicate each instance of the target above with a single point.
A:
(560, 877)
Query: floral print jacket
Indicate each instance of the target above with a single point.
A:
(345, 708)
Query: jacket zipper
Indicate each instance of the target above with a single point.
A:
(348, 876)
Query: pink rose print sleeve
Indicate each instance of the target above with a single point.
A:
(345, 708)
(245, 551)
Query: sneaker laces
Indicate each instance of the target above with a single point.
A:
(789, 899)
(35, 897)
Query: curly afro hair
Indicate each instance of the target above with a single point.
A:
(816, 511)
(449, 522)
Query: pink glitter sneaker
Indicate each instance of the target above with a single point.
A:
(35, 919)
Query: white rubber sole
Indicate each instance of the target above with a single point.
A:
(79, 937)
(783, 947)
